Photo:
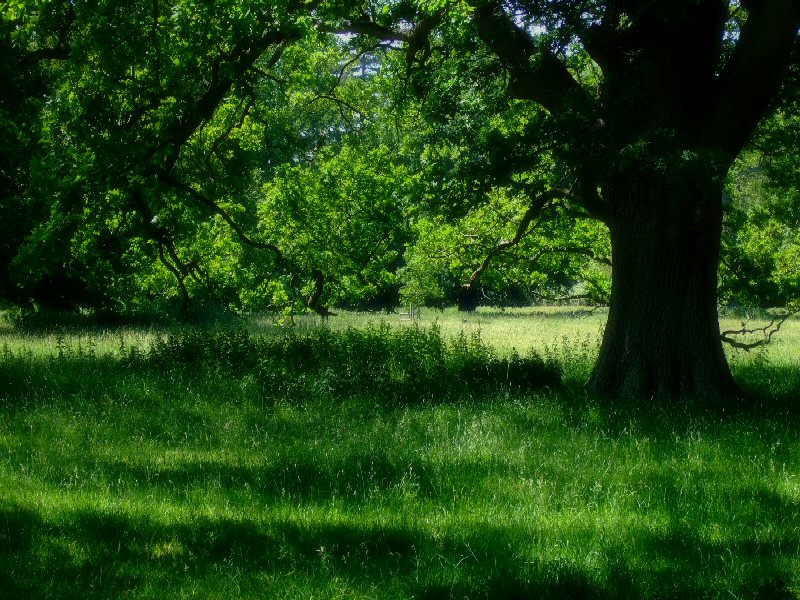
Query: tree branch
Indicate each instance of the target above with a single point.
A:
(752, 77)
(313, 300)
(522, 229)
(767, 332)
(536, 73)
(575, 250)
(234, 125)
(365, 26)
(223, 76)
(180, 276)
(201, 198)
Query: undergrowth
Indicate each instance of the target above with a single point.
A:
(401, 364)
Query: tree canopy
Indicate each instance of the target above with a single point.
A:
(306, 155)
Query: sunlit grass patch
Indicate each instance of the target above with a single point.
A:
(157, 475)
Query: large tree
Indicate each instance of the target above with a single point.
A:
(671, 114)
(679, 89)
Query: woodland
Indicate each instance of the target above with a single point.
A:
(180, 157)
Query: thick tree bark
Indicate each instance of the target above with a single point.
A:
(662, 338)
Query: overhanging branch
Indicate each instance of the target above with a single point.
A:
(313, 301)
(223, 74)
(176, 271)
(536, 73)
(766, 332)
(204, 200)
(366, 26)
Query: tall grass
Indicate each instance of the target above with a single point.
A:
(388, 461)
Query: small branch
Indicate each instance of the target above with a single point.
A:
(568, 298)
(586, 310)
(767, 332)
(343, 69)
(341, 105)
(179, 276)
(579, 250)
(235, 125)
(258, 71)
(522, 229)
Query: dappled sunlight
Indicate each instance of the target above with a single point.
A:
(184, 476)
(547, 514)
(471, 545)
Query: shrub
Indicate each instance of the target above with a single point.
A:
(402, 364)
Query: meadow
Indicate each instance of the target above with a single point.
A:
(369, 457)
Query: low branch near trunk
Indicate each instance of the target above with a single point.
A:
(523, 229)
(573, 250)
(767, 332)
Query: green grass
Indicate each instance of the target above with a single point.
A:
(227, 465)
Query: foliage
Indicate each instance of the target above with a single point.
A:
(140, 136)
(310, 120)
(410, 364)
(762, 249)
(158, 139)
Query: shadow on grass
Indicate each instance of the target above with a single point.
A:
(769, 390)
(95, 555)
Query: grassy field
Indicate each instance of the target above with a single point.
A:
(360, 460)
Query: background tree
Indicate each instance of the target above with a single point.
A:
(34, 43)
(167, 134)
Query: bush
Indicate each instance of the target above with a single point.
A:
(402, 364)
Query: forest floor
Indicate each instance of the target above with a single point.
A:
(394, 460)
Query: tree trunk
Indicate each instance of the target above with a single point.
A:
(662, 338)
(468, 298)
